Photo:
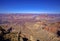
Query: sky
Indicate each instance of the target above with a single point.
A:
(29, 6)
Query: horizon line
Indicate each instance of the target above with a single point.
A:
(30, 12)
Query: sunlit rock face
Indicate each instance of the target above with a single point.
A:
(33, 26)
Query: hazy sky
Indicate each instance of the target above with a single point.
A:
(18, 6)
